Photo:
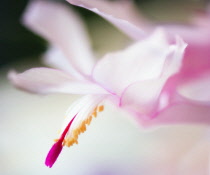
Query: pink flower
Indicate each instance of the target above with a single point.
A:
(124, 15)
(192, 81)
(134, 79)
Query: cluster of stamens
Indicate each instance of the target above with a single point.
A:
(81, 128)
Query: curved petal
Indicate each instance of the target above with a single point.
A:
(196, 89)
(141, 61)
(120, 13)
(46, 80)
(174, 61)
(182, 113)
(190, 104)
(197, 59)
(176, 109)
(197, 35)
(64, 29)
(142, 97)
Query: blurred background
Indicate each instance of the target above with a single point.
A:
(113, 144)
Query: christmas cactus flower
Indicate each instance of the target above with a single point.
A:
(127, 18)
(192, 80)
(138, 79)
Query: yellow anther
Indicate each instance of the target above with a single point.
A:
(81, 128)
(89, 120)
(84, 122)
(76, 136)
(55, 140)
(75, 132)
(94, 114)
(100, 108)
(68, 144)
(95, 109)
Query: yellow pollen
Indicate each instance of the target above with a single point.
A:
(81, 128)
(94, 114)
(100, 108)
(89, 120)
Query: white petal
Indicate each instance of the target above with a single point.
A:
(55, 58)
(122, 14)
(141, 61)
(46, 80)
(64, 29)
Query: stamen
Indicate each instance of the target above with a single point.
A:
(57, 147)
(82, 127)
(100, 108)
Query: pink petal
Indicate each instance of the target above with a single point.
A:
(141, 61)
(176, 109)
(196, 34)
(142, 97)
(174, 61)
(120, 13)
(64, 29)
(183, 113)
(197, 89)
(46, 80)
(196, 59)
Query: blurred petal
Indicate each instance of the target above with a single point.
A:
(46, 80)
(55, 58)
(141, 61)
(142, 97)
(197, 59)
(195, 31)
(64, 29)
(120, 13)
(173, 62)
(197, 89)
(180, 112)
(196, 161)
(197, 34)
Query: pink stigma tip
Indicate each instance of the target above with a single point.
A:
(57, 147)
(53, 154)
